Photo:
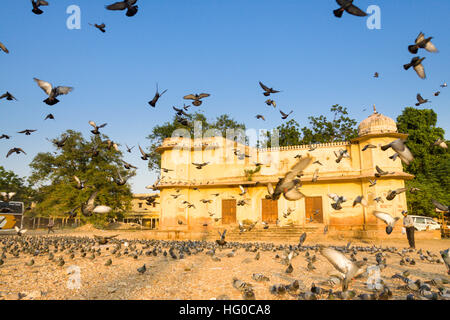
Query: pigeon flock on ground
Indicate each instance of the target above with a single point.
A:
(348, 263)
(288, 187)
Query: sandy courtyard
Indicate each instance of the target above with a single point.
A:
(193, 277)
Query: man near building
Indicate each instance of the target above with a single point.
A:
(408, 223)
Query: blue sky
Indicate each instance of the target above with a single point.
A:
(220, 47)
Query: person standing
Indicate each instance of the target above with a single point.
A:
(50, 226)
(408, 223)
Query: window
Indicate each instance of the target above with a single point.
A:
(420, 220)
(140, 205)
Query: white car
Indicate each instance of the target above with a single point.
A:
(422, 223)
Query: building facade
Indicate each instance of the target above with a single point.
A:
(143, 212)
(200, 196)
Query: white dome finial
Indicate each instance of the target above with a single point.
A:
(374, 109)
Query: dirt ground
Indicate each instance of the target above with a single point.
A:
(194, 277)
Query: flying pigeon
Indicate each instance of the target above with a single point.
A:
(421, 100)
(156, 97)
(422, 43)
(132, 9)
(416, 63)
(344, 265)
(288, 185)
(52, 92)
(393, 193)
(270, 102)
(100, 27)
(16, 150)
(388, 219)
(36, 4)
(347, 5)
(267, 90)
(197, 98)
(8, 96)
(403, 152)
(27, 132)
(440, 206)
(3, 48)
(95, 131)
(145, 156)
(285, 115)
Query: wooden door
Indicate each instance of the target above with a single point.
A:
(313, 210)
(228, 211)
(269, 210)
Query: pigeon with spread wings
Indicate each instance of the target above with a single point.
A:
(422, 43)
(129, 5)
(8, 96)
(267, 90)
(52, 92)
(402, 150)
(388, 219)
(88, 208)
(27, 132)
(145, 156)
(285, 115)
(15, 150)
(344, 265)
(288, 185)
(347, 5)
(197, 98)
(421, 100)
(95, 131)
(417, 65)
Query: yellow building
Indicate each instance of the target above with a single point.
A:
(194, 198)
(144, 212)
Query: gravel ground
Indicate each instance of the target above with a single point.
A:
(194, 277)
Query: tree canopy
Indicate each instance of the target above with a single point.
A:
(320, 129)
(53, 175)
(11, 182)
(431, 164)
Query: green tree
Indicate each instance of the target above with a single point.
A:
(431, 165)
(320, 129)
(166, 130)
(10, 182)
(52, 175)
